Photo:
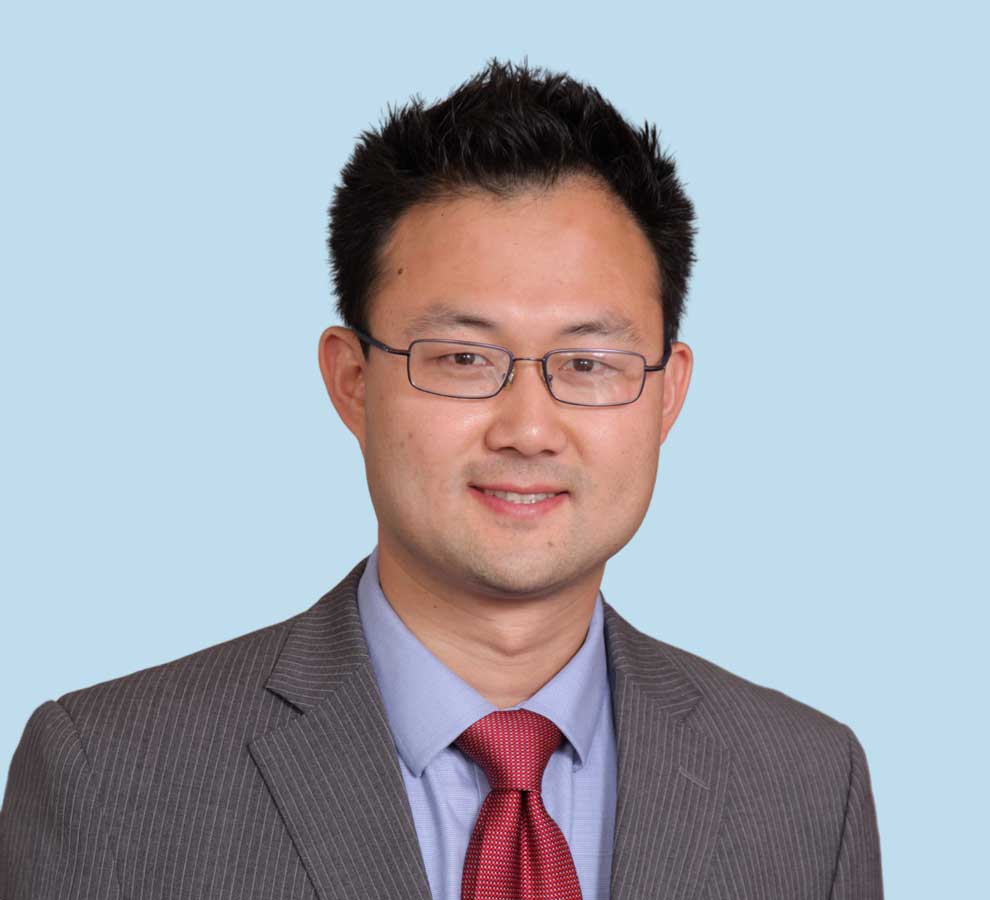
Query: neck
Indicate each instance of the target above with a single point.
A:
(505, 648)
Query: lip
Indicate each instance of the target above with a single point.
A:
(516, 489)
(519, 511)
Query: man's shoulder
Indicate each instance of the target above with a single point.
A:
(228, 674)
(783, 753)
(740, 698)
(239, 685)
(754, 721)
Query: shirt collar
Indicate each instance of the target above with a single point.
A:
(428, 706)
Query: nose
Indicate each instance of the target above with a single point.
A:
(525, 417)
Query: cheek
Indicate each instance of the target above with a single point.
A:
(417, 448)
(632, 473)
(622, 457)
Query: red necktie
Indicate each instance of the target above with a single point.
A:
(516, 851)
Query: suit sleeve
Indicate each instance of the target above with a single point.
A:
(857, 871)
(53, 838)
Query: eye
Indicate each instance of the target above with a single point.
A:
(463, 359)
(587, 366)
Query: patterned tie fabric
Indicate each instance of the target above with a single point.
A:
(516, 851)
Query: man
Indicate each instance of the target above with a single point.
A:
(464, 716)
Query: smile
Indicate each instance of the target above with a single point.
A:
(513, 497)
(520, 505)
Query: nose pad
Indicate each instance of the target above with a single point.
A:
(512, 374)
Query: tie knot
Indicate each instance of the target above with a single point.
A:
(512, 746)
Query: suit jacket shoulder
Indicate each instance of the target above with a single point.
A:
(734, 710)
(765, 730)
(187, 691)
(141, 784)
(798, 808)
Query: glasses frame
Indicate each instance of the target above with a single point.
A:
(513, 359)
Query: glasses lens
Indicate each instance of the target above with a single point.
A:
(596, 377)
(457, 369)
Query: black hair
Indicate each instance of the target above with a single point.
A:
(506, 129)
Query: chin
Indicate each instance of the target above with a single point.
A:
(521, 577)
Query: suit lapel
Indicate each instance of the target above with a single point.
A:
(333, 771)
(671, 778)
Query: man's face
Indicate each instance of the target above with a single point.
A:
(533, 266)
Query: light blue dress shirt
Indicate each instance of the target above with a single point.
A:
(428, 707)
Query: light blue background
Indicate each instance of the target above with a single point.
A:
(174, 474)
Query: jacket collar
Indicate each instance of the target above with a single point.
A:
(334, 775)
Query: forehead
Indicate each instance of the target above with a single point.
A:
(542, 259)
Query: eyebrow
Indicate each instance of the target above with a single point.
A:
(442, 315)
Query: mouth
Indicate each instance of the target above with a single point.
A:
(516, 494)
(518, 500)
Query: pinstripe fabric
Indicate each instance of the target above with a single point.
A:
(263, 767)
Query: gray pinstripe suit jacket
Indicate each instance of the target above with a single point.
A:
(264, 767)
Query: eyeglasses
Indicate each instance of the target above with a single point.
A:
(470, 370)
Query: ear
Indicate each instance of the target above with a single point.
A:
(676, 377)
(343, 366)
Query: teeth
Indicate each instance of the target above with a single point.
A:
(518, 498)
